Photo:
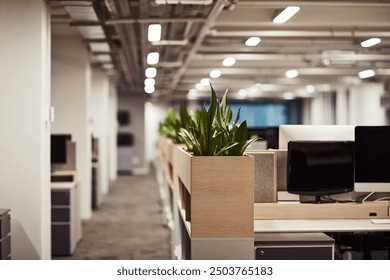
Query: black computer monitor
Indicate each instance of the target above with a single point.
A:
(269, 134)
(372, 162)
(58, 151)
(319, 168)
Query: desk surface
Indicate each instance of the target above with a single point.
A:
(63, 185)
(335, 225)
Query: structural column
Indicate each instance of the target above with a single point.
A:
(25, 125)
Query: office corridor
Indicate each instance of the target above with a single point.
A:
(128, 225)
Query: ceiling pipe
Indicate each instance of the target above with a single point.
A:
(151, 20)
(373, 3)
(184, 2)
(83, 13)
(300, 33)
(212, 17)
(170, 43)
(127, 53)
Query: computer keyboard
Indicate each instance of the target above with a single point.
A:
(380, 221)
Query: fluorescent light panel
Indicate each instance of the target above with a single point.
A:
(149, 82)
(150, 72)
(215, 73)
(288, 95)
(286, 14)
(149, 89)
(153, 58)
(154, 32)
(199, 86)
(291, 73)
(252, 41)
(229, 61)
(366, 74)
(370, 42)
(205, 82)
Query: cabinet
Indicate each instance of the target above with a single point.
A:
(65, 218)
(293, 246)
(5, 234)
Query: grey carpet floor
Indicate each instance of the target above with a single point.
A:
(129, 225)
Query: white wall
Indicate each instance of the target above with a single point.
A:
(135, 105)
(100, 123)
(71, 86)
(25, 125)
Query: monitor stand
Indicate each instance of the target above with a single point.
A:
(318, 200)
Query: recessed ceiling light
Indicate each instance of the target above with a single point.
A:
(108, 66)
(149, 82)
(291, 74)
(366, 74)
(153, 58)
(149, 89)
(243, 93)
(205, 82)
(288, 95)
(154, 32)
(192, 94)
(310, 88)
(151, 72)
(286, 14)
(252, 41)
(370, 42)
(199, 86)
(229, 61)
(215, 73)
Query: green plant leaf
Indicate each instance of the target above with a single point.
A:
(229, 116)
(237, 117)
(227, 147)
(250, 141)
(209, 132)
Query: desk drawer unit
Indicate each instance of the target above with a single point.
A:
(64, 221)
(293, 246)
(5, 234)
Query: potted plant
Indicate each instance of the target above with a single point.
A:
(216, 178)
(170, 140)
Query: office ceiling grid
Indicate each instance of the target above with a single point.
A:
(321, 42)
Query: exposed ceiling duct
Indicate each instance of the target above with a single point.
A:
(321, 42)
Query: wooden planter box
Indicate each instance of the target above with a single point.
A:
(217, 195)
(173, 151)
(163, 145)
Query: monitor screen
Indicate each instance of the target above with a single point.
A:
(268, 134)
(372, 163)
(320, 168)
(58, 148)
(314, 132)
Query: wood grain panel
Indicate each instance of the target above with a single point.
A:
(222, 197)
(285, 211)
(184, 168)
